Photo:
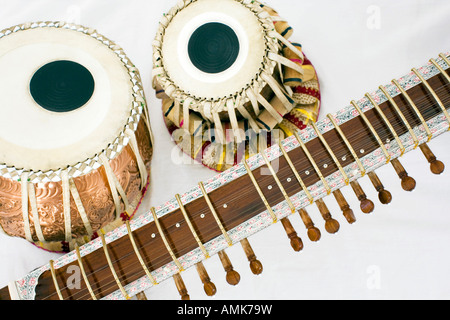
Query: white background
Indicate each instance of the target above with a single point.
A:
(398, 252)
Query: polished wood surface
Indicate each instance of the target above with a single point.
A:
(436, 166)
(384, 195)
(232, 276)
(345, 207)
(296, 241)
(208, 285)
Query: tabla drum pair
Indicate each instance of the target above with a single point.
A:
(75, 136)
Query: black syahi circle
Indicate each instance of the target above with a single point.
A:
(62, 86)
(213, 47)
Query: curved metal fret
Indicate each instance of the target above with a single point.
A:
(280, 186)
(138, 254)
(297, 175)
(55, 282)
(214, 213)
(191, 227)
(331, 153)
(261, 194)
(388, 124)
(348, 144)
(372, 129)
(83, 273)
(166, 243)
(402, 116)
(114, 273)
(313, 162)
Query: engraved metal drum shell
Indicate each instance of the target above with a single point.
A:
(94, 193)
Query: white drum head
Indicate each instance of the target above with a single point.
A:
(213, 49)
(37, 138)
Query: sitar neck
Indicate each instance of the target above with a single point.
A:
(265, 189)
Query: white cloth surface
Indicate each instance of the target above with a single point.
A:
(398, 252)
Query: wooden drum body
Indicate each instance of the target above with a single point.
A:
(76, 141)
(230, 79)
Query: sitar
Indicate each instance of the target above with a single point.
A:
(269, 188)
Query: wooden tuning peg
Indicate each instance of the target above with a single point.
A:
(384, 196)
(408, 183)
(331, 225)
(367, 205)
(208, 286)
(181, 287)
(436, 166)
(232, 277)
(345, 207)
(141, 296)
(313, 233)
(296, 242)
(255, 265)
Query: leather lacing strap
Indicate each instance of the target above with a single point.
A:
(233, 120)
(288, 89)
(186, 104)
(147, 123)
(26, 219)
(141, 165)
(246, 115)
(66, 205)
(286, 62)
(269, 107)
(252, 97)
(141, 99)
(114, 186)
(207, 111)
(80, 207)
(176, 112)
(289, 105)
(219, 134)
(287, 43)
(34, 211)
(170, 89)
(277, 18)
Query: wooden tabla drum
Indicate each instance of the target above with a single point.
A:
(75, 137)
(230, 79)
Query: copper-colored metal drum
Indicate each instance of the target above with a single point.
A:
(96, 173)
